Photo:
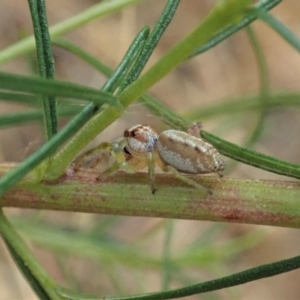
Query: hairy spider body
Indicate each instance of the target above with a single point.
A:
(172, 150)
(188, 154)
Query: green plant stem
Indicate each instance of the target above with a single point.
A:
(45, 61)
(20, 249)
(264, 91)
(221, 16)
(166, 256)
(96, 11)
(24, 99)
(261, 64)
(231, 29)
(13, 176)
(156, 107)
(253, 158)
(283, 31)
(15, 82)
(152, 41)
(243, 277)
(245, 104)
(56, 88)
(167, 115)
(260, 272)
(129, 59)
(108, 115)
(33, 282)
(33, 116)
(79, 52)
(273, 203)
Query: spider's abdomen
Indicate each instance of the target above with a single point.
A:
(188, 154)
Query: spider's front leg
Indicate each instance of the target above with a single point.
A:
(141, 145)
(114, 151)
(123, 160)
(151, 170)
(92, 157)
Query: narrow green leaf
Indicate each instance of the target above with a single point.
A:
(93, 12)
(108, 115)
(33, 116)
(166, 255)
(55, 88)
(156, 34)
(35, 274)
(107, 250)
(156, 107)
(45, 61)
(253, 158)
(26, 99)
(222, 15)
(233, 28)
(284, 32)
(79, 52)
(12, 177)
(264, 89)
(245, 104)
(127, 62)
(243, 277)
(33, 282)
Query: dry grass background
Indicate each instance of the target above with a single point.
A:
(228, 70)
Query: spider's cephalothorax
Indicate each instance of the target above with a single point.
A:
(172, 150)
(140, 139)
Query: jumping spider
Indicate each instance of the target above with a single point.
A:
(173, 151)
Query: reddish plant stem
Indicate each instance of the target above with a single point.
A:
(262, 202)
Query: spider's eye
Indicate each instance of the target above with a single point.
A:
(126, 151)
(129, 133)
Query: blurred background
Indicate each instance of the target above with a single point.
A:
(107, 255)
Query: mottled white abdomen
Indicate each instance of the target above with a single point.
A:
(188, 154)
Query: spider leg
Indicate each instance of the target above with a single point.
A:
(167, 168)
(151, 169)
(123, 160)
(93, 154)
